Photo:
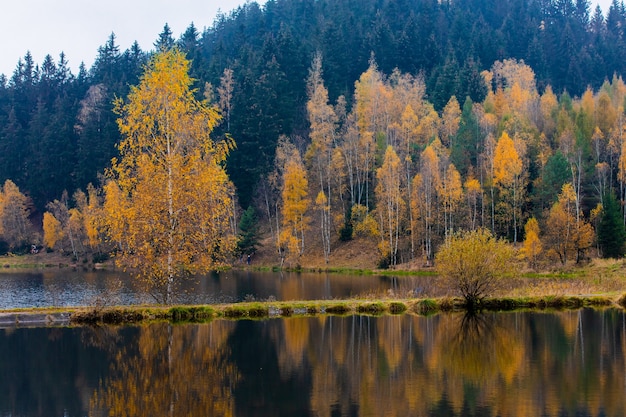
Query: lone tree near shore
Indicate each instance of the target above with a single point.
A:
(474, 262)
(168, 202)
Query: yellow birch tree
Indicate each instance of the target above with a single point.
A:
(508, 170)
(14, 212)
(169, 183)
(323, 120)
(52, 230)
(389, 204)
(532, 244)
(295, 222)
(424, 199)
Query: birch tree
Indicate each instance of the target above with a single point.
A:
(295, 221)
(14, 212)
(390, 204)
(323, 122)
(508, 170)
(169, 183)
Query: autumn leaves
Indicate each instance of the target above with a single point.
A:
(169, 203)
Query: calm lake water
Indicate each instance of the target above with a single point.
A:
(507, 364)
(65, 287)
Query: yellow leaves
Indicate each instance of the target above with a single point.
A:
(472, 186)
(294, 194)
(364, 223)
(567, 234)
(14, 212)
(390, 203)
(451, 189)
(567, 195)
(52, 230)
(532, 244)
(474, 262)
(168, 204)
(506, 161)
(450, 120)
(295, 191)
(321, 201)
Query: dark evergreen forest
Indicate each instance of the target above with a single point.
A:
(58, 130)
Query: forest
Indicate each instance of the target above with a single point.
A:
(397, 121)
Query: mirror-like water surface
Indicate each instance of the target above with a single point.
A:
(65, 287)
(508, 364)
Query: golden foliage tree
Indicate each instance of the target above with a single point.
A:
(566, 233)
(473, 194)
(52, 230)
(169, 201)
(508, 174)
(390, 204)
(474, 262)
(424, 199)
(72, 232)
(323, 120)
(450, 120)
(532, 244)
(451, 194)
(295, 221)
(14, 211)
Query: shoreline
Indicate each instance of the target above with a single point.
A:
(134, 315)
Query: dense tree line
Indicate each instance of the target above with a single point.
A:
(58, 129)
(530, 167)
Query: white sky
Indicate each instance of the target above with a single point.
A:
(79, 27)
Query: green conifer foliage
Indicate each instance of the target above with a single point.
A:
(611, 233)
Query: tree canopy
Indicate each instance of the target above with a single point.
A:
(168, 200)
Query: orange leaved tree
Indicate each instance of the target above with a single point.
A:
(169, 203)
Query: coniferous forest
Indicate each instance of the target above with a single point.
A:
(397, 120)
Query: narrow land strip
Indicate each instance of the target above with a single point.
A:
(126, 315)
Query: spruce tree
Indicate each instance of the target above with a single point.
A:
(611, 232)
(248, 239)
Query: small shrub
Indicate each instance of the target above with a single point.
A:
(258, 310)
(384, 262)
(99, 258)
(371, 308)
(234, 312)
(397, 307)
(191, 313)
(337, 309)
(426, 306)
(474, 262)
(345, 233)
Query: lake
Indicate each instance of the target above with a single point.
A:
(67, 287)
(498, 364)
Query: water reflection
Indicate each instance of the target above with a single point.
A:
(513, 364)
(170, 371)
(66, 287)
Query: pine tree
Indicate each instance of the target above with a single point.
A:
(248, 232)
(611, 233)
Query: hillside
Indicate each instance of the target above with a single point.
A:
(410, 120)
(57, 129)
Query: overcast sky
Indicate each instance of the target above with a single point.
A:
(79, 27)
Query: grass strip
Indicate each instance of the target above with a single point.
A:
(276, 309)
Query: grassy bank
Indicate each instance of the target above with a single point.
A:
(276, 309)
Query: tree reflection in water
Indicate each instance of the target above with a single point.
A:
(171, 371)
(494, 364)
